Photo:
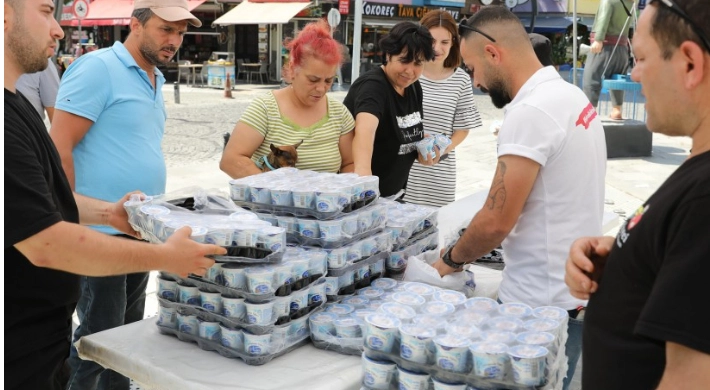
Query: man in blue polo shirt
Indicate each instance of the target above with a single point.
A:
(108, 127)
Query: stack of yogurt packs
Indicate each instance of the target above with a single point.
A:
(416, 336)
(254, 302)
(338, 215)
(414, 231)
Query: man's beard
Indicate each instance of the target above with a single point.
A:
(152, 55)
(29, 57)
(498, 92)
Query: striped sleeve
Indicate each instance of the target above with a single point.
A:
(256, 115)
(346, 118)
(466, 116)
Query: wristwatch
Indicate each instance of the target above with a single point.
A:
(448, 261)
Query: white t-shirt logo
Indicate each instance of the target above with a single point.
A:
(587, 116)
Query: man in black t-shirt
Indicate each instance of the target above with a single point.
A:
(45, 248)
(386, 103)
(647, 325)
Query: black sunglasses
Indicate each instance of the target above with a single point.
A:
(463, 27)
(673, 7)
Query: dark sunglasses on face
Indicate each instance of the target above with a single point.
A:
(463, 27)
(673, 7)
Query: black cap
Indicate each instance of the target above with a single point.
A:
(543, 48)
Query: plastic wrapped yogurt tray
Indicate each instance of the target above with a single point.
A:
(308, 212)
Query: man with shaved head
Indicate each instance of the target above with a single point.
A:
(548, 186)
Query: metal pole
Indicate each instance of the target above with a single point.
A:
(80, 49)
(574, 42)
(357, 41)
(279, 57)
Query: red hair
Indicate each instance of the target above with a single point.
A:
(314, 41)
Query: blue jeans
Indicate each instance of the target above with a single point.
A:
(105, 303)
(573, 348)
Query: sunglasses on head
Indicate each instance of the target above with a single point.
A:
(673, 7)
(463, 27)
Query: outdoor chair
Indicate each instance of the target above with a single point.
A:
(262, 73)
(184, 72)
(203, 74)
(241, 70)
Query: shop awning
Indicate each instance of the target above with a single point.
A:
(110, 13)
(547, 24)
(261, 13)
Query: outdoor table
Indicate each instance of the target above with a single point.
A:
(251, 67)
(193, 68)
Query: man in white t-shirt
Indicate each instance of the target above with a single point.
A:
(548, 187)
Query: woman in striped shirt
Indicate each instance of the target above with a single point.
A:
(449, 109)
(300, 112)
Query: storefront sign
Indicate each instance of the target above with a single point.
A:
(402, 11)
(344, 7)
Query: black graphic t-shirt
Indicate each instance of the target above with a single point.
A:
(654, 286)
(398, 131)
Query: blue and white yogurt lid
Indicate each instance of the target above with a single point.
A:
(527, 351)
(515, 309)
(430, 321)
(340, 309)
(383, 320)
(542, 325)
(453, 297)
(498, 337)
(535, 338)
(324, 317)
(551, 312)
(505, 324)
(489, 348)
(472, 317)
(481, 304)
(452, 341)
(371, 292)
(438, 308)
(408, 298)
(403, 312)
(417, 331)
(419, 288)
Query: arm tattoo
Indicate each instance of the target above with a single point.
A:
(498, 193)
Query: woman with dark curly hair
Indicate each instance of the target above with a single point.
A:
(387, 105)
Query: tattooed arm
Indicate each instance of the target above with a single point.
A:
(512, 183)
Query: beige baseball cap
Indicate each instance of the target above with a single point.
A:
(170, 10)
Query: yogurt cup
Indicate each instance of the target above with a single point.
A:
(133, 205)
(331, 285)
(515, 309)
(214, 274)
(498, 337)
(257, 345)
(159, 224)
(349, 226)
(472, 317)
(369, 247)
(364, 220)
(382, 331)
(359, 302)
(299, 267)
(309, 228)
(281, 196)
(403, 312)
(259, 193)
(331, 230)
(280, 338)
(316, 294)
(221, 234)
(298, 328)
(377, 375)
(396, 261)
(504, 324)
(239, 190)
(288, 223)
(282, 306)
(167, 317)
(425, 147)
(431, 322)
(322, 325)
(259, 313)
(328, 200)
(303, 198)
(371, 292)
(272, 238)
(377, 267)
(149, 211)
(528, 364)
(421, 289)
(410, 299)
(283, 274)
(409, 380)
(339, 309)
(199, 234)
(317, 262)
(211, 301)
(453, 297)
(379, 215)
(384, 283)
(362, 273)
(188, 324)
(463, 329)
(232, 338)
(384, 242)
(260, 280)
(337, 257)
(416, 343)
(452, 352)
(346, 279)
(246, 235)
(542, 339)
(299, 300)
(482, 304)
(234, 276)
(270, 218)
(438, 308)
(189, 295)
(371, 186)
(234, 307)
(354, 251)
(551, 313)
(490, 360)
(347, 328)
(543, 325)
(167, 289)
(439, 385)
(357, 189)
(209, 330)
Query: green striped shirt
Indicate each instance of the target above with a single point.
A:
(319, 151)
